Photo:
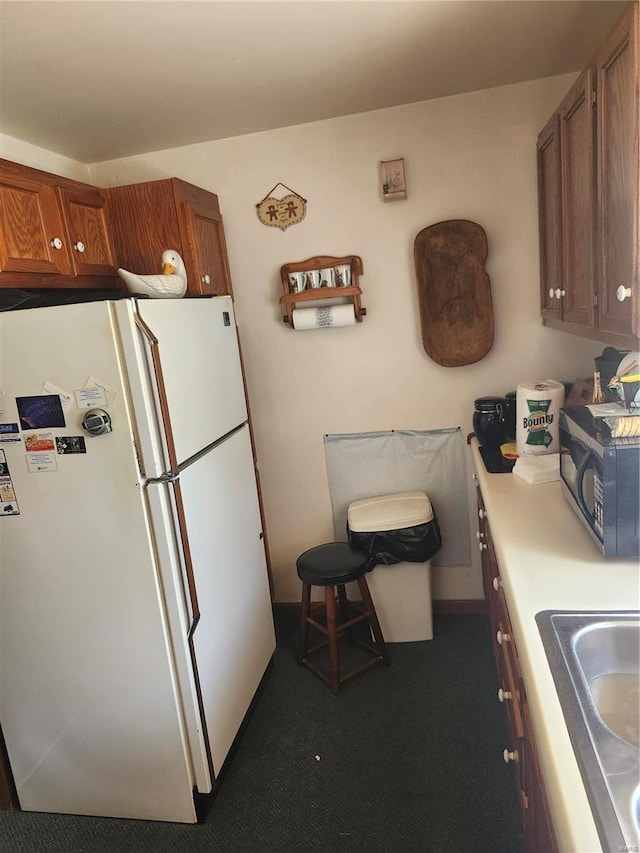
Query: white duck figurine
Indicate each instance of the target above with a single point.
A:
(171, 284)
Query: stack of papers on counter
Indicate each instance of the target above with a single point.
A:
(538, 469)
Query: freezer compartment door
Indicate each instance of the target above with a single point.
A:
(234, 638)
(183, 364)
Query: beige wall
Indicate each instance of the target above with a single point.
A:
(471, 157)
(40, 158)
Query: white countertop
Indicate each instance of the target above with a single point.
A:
(548, 561)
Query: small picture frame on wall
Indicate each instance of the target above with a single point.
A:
(393, 182)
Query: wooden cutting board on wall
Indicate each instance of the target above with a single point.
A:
(454, 292)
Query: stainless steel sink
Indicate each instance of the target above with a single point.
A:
(595, 661)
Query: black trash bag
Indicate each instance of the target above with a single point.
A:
(409, 544)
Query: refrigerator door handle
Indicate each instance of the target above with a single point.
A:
(154, 348)
(186, 551)
(174, 481)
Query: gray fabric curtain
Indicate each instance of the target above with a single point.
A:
(367, 464)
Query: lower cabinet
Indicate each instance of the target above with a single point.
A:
(520, 750)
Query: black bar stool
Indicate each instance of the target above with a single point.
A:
(332, 566)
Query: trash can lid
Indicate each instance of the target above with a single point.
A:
(389, 512)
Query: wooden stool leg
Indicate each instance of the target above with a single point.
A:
(344, 608)
(304, 625)
(373, 618)
(334, 656)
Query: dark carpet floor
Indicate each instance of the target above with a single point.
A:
(408, 759)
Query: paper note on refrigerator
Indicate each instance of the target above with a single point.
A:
(39, 462)
(8, 503)
(92, 382)
(88, 398)
(65, 399)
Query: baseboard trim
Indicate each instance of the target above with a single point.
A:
(443, 606)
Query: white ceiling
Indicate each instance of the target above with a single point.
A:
(97, 80)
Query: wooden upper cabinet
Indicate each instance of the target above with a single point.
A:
(577, 168)
(549, 206)
(149, 218)
(32, 235)
(54, 231)
(599, 203)
(618, 178)
(88, 232)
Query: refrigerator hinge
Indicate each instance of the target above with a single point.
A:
(163, 479)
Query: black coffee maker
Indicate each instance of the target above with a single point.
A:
(494, 423)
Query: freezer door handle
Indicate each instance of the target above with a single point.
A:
(172, 475)
(154, 347)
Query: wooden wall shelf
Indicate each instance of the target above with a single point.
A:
(322, 262)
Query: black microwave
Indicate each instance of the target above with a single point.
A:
(600, 477)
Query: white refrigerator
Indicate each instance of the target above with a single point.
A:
(135, 613)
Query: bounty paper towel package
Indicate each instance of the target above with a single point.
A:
(538, 404)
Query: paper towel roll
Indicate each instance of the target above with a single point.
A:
(323, 317)
(538, 404)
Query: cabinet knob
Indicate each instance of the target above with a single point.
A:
(502, 638)
(496, 583)
(479, 535)
(503, 695)
(206, 279)
(550, 293)
(510, 756)
(474, 477)
(482, 514)
(559, 293)
(56, 243)
(623, 293)
(79, 246)
(482, 546)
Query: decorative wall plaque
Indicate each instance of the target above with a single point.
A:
(282, 212)
(392, 179)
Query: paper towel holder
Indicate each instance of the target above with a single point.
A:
(352, 291)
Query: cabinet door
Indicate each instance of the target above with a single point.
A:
(150, 217)
(549, 210)
(577, 165)
(32, 236)
(88, 232)
(201, 224)
(539, 833)
(618, 167)
(144, 225)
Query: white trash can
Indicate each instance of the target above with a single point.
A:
(401, 591)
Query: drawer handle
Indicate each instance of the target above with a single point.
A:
(503, 695)
(510, 756)
(502, 638)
